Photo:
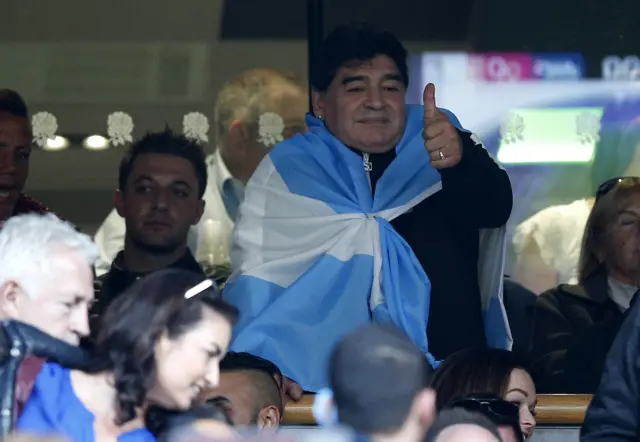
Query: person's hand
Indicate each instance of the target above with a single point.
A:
(441, 139)
(291, 390)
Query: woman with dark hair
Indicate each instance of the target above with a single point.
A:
(574, 325)
(547, 245)
(159, 343)
(487, 371)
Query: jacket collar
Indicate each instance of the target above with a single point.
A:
(595, 288)
(186, 262)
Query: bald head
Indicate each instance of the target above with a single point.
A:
(240, 103)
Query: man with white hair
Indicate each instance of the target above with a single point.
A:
(46, 281)
(46, 277)
(241, 102)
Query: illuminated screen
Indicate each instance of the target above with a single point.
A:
(549, 136)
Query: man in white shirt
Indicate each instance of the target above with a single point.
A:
(240, 103)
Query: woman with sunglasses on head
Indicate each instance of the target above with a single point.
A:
(159, 344)
(574, 325)
(487, 371)
(547, 245)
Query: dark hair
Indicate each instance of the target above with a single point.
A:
(355, 43)
(135, 320)
(246, 361)
(12, 103)
(166, 142)
(161, 421)
(263, 375)
(459, 416)
(474, 370)
(618, 143)
(494, 408)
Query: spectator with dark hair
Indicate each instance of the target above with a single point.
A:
(487, 371)
(547, 245)
(379, 386)
(459, 425)
(239, 106)
(160, 344)
(381, 211)
(15, 150)
(161, 181)
(250, 391)
(503, 414)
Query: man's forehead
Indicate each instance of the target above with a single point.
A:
(379, 66)
(12, 126)
(150, 164)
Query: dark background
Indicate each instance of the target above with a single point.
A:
(594, 28)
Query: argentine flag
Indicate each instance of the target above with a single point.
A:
(315, 255)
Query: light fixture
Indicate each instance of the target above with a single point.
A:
(96, 142)
(57, 143)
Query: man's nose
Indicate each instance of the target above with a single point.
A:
(161, 200)
(374, 98)
(80, 321)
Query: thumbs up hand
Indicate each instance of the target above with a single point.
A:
(441, 139)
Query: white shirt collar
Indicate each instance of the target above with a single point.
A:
(621, 293)
(220, 171)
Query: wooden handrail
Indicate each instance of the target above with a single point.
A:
(552, 409)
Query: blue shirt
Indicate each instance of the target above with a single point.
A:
(54, 409)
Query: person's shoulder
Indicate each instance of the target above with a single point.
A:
(52, 371)
(27, 204)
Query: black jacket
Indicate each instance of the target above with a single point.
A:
(19, 342)
(443, 232)
(614, 413)
(110, 285)
(574, 326)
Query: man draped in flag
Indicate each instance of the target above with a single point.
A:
(381, 211)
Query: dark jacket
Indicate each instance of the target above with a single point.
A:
(110, 285)
(574, 326)
(519, 303)
(443, 232)
(23, 350)
(615, 408)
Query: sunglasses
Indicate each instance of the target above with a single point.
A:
(496, 407)
(609, 185)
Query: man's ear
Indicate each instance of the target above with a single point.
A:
(237, 139)
(317, 102)
(10, 293)
(269, 418)
(118, 202)
(424, 407)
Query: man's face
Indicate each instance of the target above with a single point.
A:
(364, 105)
(59, 305)
(237, 387)
(242, 151)
(15, 149)
(160, 202)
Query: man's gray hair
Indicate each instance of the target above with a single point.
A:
(248, 95)
(28, 244)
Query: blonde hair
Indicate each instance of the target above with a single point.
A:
(604, 213)
(250, 94)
